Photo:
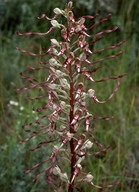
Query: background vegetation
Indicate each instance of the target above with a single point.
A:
(121, 162)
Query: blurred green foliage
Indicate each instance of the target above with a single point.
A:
(121, 163)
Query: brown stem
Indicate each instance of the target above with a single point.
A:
(72, 147)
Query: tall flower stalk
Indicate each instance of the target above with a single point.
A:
(65, 119)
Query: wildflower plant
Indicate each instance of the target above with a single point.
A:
(65, 120)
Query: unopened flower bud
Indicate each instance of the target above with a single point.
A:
(91, 92)
(79, 166)
(83, 103)
(58, 11)
(80, 160)
(70, 135)
(53, 62)
(70, 4)
(56, 170)
(65, 107)
(83, 96)
(54, 23)
(54, 51)
(54, 86)
(62, 128)
(64, 83)
(87, 145)
(82, 56)
(63, 104)
(88, 178)
(58, 73)
(55, 42)
(81, 21)
(64, 177)
(78, 28)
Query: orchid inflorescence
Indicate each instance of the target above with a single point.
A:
(67, 118)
